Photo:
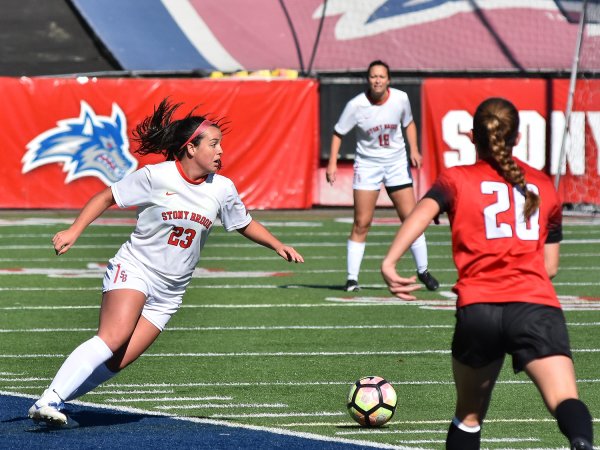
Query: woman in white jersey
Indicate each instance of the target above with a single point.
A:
(381, 157)
(178, 202)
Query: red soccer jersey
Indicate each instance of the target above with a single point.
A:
(499, 256)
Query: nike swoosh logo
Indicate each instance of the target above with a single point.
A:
(170, 193)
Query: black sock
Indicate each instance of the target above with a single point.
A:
(574, 420)
(458, 439)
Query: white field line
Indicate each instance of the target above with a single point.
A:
(110, 388)
(336, 234)
(298, 245)
(240, 328)
(269, 258)
(217, 405)
(375, 432)
(227, 424)
(130, 392)
(256, 415)
(391, 302)
(272, 354)
(69, 273)
(22, 379)
(272, 328)
(251, 354)
(251, 286)
(169, 399)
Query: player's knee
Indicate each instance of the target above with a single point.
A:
(360, 227)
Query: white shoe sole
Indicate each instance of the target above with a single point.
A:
(47, 414)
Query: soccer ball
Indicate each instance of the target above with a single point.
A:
(371, 401)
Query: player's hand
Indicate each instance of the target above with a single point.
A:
(331, 174)
(63, 241)
(399, 286)
(416, 160)
(290, 254)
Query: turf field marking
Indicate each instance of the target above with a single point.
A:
(110, 388)
(130, 392)
(23, 379)
(247, 328)
(299, 245)
(275, 258)
(216, 405)
(376, 432)
(250, 286)
(275, 354)
(168, 399)
(308, 414)
(97, 270)
(280, 431)
(336, 234)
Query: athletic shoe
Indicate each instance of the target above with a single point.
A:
(427, 279)
(48, 412)
(581, 444)
(352, 286)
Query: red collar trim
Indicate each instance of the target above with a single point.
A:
(185, 177)
(378, 103)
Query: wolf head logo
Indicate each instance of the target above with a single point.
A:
(89, 146)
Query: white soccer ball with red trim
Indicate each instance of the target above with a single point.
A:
(372, 401)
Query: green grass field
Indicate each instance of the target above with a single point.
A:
(262, 342)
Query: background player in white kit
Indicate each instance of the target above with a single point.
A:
(381, 157)
(178, 201)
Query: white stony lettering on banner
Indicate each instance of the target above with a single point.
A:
(455, 126)
(532, 147)
(574, 146)
(593, 118)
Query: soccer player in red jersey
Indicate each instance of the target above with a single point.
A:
(506, 227)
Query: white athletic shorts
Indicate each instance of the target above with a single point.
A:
(163, 297)
(369, 176)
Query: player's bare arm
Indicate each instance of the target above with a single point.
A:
(414, 225)
(256, 232)
(551, 258)
(331, 172)
(64, 240)
(416, 159)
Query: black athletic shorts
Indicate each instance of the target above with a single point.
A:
(486, 332)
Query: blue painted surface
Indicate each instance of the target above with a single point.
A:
(100, 428)
(129, 29)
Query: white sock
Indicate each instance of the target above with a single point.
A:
(419, 253)
(467, 428)
(77, 368)
(98, 376)
(356, 250)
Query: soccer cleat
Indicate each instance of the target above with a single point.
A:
(428, 280)
(352, 286)
(48, 412)
(581, 444)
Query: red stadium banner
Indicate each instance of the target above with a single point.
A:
(66, 139)
(449, 105)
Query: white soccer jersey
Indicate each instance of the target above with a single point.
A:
(378, 136)
(175, 216)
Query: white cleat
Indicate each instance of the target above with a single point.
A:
(48, 412)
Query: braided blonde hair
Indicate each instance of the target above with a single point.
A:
(495, 131)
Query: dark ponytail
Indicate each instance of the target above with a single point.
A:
(160, 134)
(495, 131)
